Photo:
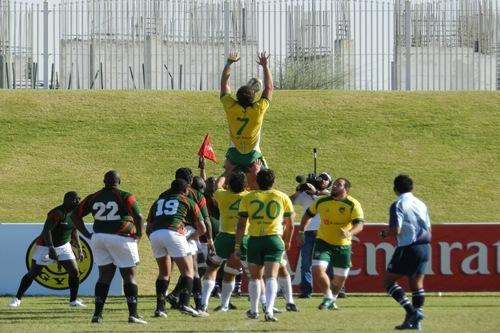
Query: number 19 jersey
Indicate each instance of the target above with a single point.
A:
(173, 212)
(265, 211)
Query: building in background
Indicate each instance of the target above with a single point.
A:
(315, 44)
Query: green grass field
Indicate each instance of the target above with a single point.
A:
(53, 142)
(379, 313)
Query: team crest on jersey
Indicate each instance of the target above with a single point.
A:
(54, 276)
(341, 210)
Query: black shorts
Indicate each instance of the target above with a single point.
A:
(410, 260)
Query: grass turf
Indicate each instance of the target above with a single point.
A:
(376, 313)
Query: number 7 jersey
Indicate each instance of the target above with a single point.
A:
(244, 124)
(265, 211)
(112, 210)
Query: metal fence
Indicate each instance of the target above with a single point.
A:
(315, 44)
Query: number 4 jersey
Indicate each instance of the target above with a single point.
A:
(112, 210)
(173, 211)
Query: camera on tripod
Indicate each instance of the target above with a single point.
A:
(310, 179)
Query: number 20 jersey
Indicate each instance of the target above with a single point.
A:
(112, 210)
(265, 211)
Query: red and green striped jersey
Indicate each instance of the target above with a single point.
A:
(199, 198)
(112, 210)
(60, 225)
(173, 211)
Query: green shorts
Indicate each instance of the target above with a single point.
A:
(243, 162)
(337, 256)
(265, 248)
(224, 245)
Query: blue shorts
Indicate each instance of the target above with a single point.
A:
(410, 260)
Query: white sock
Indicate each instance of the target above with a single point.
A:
(225, 295)
(328, 294)
(285, 284)
(271, 290)
(262, 292)
(206, 290)
(254, 291)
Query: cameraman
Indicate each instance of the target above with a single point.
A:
(305, 194)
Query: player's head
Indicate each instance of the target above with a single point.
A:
(199, 184)
(184, 173)
(112, 178)
(71, 200)
(237, 182)
(211, 184)
(403, 184)
(265, 179)
(340, 187)
(325, 180)
(179, 186)
(245, 96)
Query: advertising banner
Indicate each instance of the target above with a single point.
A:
(465, 257)
(17, 243)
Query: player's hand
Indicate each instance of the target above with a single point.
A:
(345, 233)
(263, 59)
(81, 255)
(201, 163)
(288, 245)
(301, 239)
(52, 253)
(233, 57)
(211, 247)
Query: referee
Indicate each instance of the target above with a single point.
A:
(409, 222)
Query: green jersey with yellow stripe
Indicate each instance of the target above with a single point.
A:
(336, 215)
(265, 211)
(228, 203)
(245, 124)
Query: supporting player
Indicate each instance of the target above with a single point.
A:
(228, 202)
(269, 214)
(166, 220)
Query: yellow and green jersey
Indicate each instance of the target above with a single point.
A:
(265, 211)
(229, 203)
(336, 215)
(245, 124)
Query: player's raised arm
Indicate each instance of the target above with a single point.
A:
(263, 60)
(226, 73)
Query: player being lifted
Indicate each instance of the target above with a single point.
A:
(245, 118)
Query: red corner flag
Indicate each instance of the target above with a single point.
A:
(207, 151)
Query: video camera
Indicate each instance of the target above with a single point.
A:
(311, 178)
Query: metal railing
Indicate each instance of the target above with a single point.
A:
(315, 44)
